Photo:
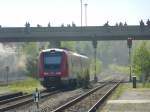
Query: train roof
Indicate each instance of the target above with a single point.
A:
(56, 49)
(79, 55)
(66, 51)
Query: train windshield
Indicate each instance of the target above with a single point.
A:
(52, 61)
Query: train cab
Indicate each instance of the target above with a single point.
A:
(59, 67)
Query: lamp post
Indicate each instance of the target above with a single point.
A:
(85, 13)
(81, 12)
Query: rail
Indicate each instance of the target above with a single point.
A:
(72, 102)
(101, 100)
(11, 104)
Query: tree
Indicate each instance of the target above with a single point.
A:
(98, 66)
(69, 45)
(31, 51)
(141, 60)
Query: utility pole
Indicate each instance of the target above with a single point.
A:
(85, 13)
(81, 12)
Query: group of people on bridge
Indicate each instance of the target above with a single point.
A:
(120, 24)
(142, 24)
(125, 24)
(147, 23)
(106, 24)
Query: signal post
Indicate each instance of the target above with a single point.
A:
(95, 49)
(129, 43)
(36, 97)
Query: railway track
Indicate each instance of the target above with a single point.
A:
(89, 101)
(10, 95)
(102, 99)
(15, 102)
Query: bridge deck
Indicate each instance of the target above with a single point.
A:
(21, 34)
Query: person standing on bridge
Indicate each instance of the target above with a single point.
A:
(142, 25)
(106, 24)
(148, 23)
(125, 24)
(117, 24)
(49, 25)
(27, 25)
(120, 24)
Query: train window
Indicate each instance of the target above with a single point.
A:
(52, 61)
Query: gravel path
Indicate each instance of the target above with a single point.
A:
(60, 99)
(51, 102)
(136, 95)
(130, 101)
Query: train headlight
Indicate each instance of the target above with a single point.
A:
(58, 73)
(45, 73)
(41, 79)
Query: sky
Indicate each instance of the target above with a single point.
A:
(15, 13)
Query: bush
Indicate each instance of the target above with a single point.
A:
(141, 60)
(119, 68)
(98, 66)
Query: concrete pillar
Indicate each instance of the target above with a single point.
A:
(55, 44)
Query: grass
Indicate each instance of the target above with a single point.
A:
(120, 90)
(27, 85)
(129, 87)
(119, 68)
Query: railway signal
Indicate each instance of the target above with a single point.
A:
(129, 43)
(7, 73)
(95, 53)
(36, 97)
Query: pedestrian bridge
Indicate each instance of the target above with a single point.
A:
(90, 33)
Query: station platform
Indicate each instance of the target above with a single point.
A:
(134, 100)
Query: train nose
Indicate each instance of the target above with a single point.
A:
(45, 73)
(52, 73)
(58, 73)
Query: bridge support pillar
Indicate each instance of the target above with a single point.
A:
(55, 44)
(95, 53)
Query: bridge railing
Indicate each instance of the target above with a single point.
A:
(100, 29)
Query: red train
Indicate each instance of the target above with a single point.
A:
(62, 68)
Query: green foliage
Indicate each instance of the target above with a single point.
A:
(85, 48)
(119, 68)
(120, 90)
(98, 66)
(141, 60)
(28, 85)
(31, 51)
(69, 45)
(147, 85)
(113, 52)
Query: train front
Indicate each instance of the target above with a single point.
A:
(51, 67)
